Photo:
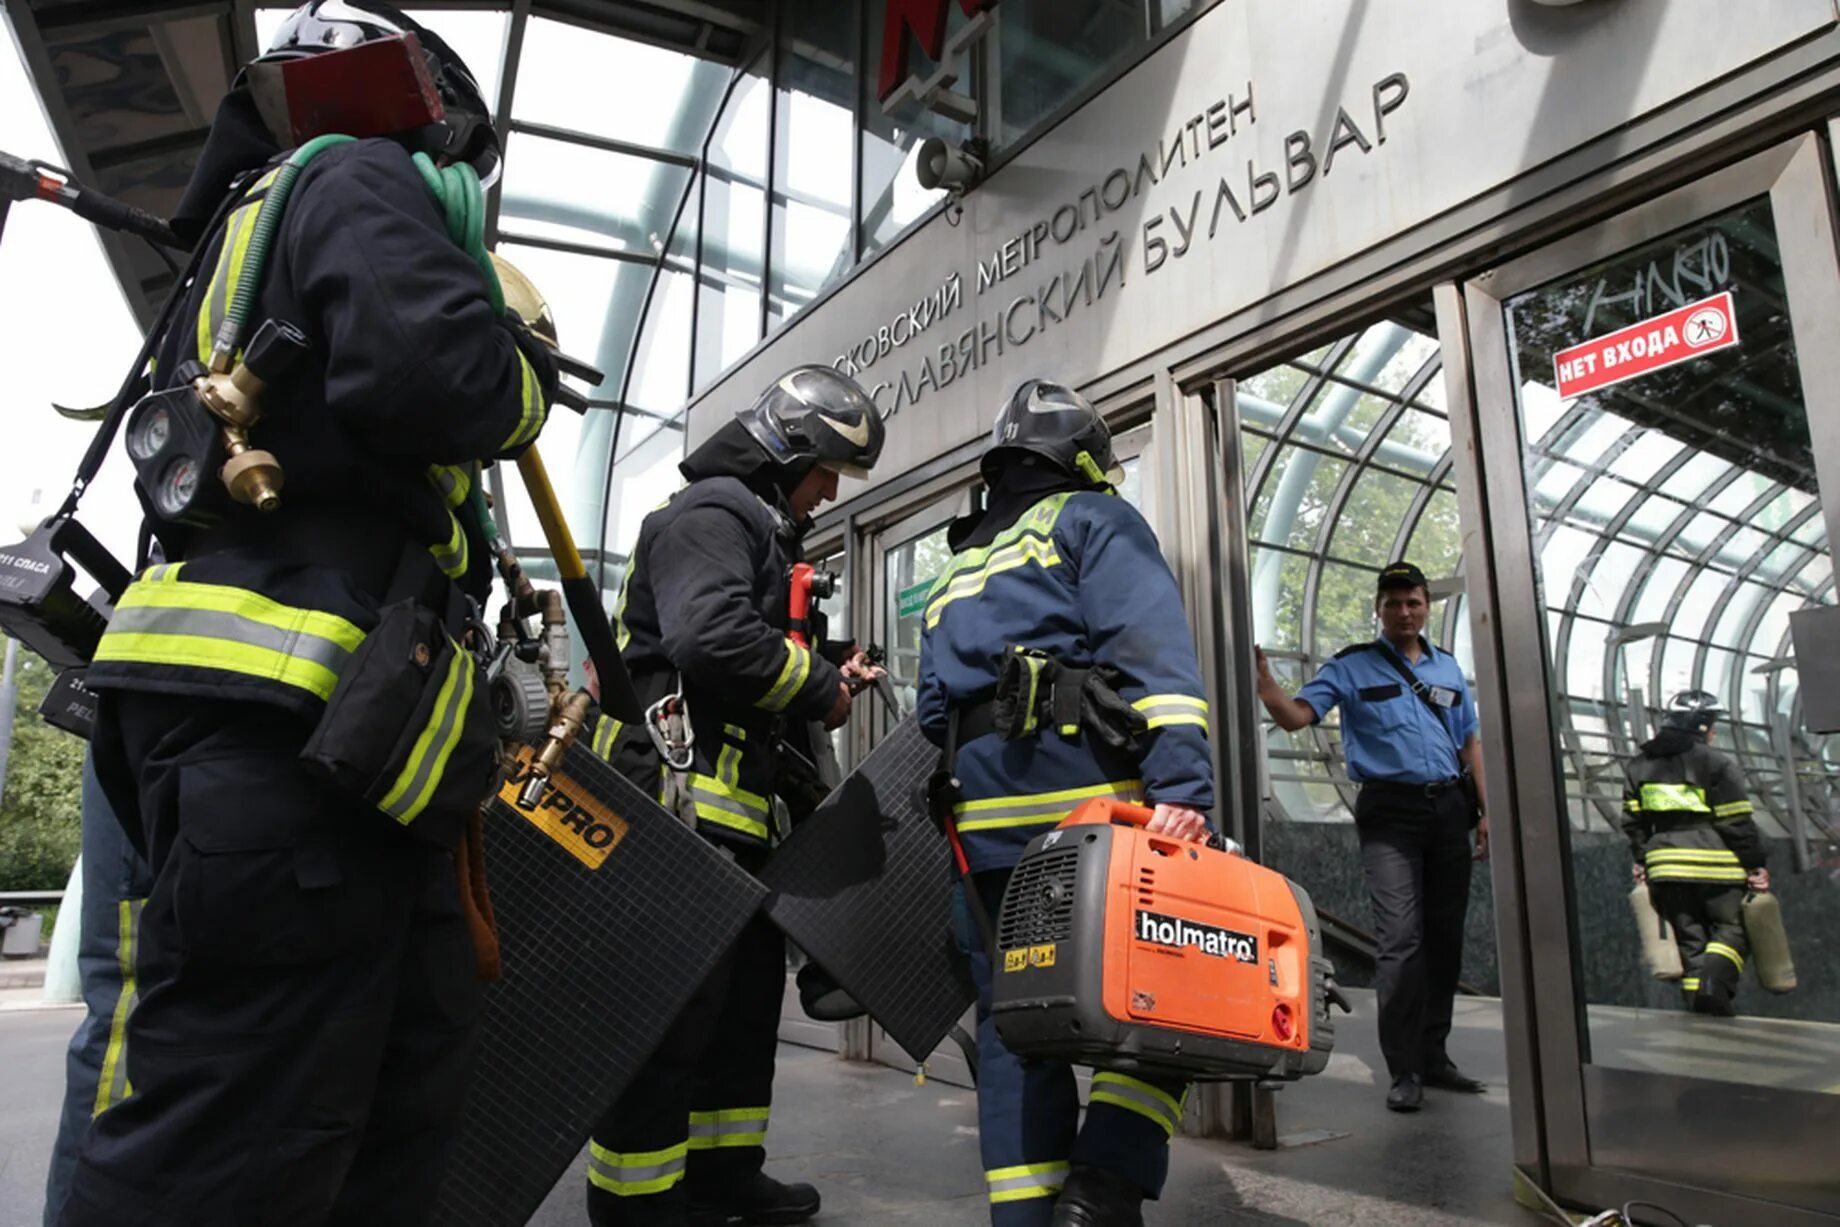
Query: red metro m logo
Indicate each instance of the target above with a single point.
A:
(927, 20)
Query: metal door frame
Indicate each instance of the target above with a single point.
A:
(1552, 1088)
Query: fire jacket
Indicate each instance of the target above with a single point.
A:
(1686, 816)
(1078, 574)
(412, 380)
(705, 604)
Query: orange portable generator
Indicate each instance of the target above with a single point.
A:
(1134, 952)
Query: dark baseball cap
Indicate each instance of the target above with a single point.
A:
(1403, 574)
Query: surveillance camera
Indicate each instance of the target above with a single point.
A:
(948, 165)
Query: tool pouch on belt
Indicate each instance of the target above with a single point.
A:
(409, 728)
(1036, 693)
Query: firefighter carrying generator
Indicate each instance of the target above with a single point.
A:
(1146, 955)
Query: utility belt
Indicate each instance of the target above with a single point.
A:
(1036, 695)
(409, 727)
(1464, 785)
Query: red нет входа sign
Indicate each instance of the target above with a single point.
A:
(1685, 332)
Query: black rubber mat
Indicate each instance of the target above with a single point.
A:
(610, 914)
(864, 886)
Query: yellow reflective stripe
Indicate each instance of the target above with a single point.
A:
(530, 420)
(1727, 952)
(791, 678)
(636, 1174)
(606, 729)
(1029, 539)
(451, 557)
(162, 587)
(237, 232)
(1695, 873)
(1164, 710)
(112, 1087)
(1674, 798)
(1133, 1095)
(427, 761)
(1632, 805)
(1025, 1181)
(621, 633)
(1710, 856)
(1039, 550)
(721, 817)
(453, 481)
(192, 651)
(1731, 809)
(1029, 722)
(1036, 809)
(1689, 984)
(728, 1127)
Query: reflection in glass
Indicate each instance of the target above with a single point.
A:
(1671, 572)
(813, 163)
(1051, 49)
(641, 94)
(734, 229)
(580, 194)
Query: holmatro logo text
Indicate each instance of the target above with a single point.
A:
(1208, 939)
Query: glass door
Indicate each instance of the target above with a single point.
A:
(1655, 408)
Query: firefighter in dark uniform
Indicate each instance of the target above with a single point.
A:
(1058, 593)
(1409, 737)
(307, 986)
(703, 621)
(1695, 843)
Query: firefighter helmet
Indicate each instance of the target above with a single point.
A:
(1057, 424)
(820, 416)
(464, 134)
(1692, 711)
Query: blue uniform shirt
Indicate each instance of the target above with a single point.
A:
(1389, 733)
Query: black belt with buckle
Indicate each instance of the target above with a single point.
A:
(1431, 789)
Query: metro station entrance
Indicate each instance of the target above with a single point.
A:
(1648, 442)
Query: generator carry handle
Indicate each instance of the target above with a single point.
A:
(1102, 811)
(1105, 810)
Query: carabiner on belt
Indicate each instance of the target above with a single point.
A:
(667, 722)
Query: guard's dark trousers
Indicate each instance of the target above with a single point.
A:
(692, 1126)
(1416, 854)
(306, 980)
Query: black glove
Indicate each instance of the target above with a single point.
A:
(1108, 715)
(541, 357)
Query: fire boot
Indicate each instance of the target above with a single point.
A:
(1095, 1198)
(755, 1199)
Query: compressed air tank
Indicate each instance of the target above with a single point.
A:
(1763, 924)
(1659, 953)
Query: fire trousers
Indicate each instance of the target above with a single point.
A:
(1029, 1127)
(695, 1118)
(306, 986)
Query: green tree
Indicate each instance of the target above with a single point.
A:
(39, 825)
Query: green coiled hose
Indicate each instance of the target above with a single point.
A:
(463, 202)
(268, 220)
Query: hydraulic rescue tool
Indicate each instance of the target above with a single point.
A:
(1134, 952)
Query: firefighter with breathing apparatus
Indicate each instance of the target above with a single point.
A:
(1695, 843)
(705, 629)
(1056, 666)
(293, 723)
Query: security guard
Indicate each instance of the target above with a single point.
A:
(1409, 735)
(1695, 843)
(703, 628)
(306, 978)
(1056, 666)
